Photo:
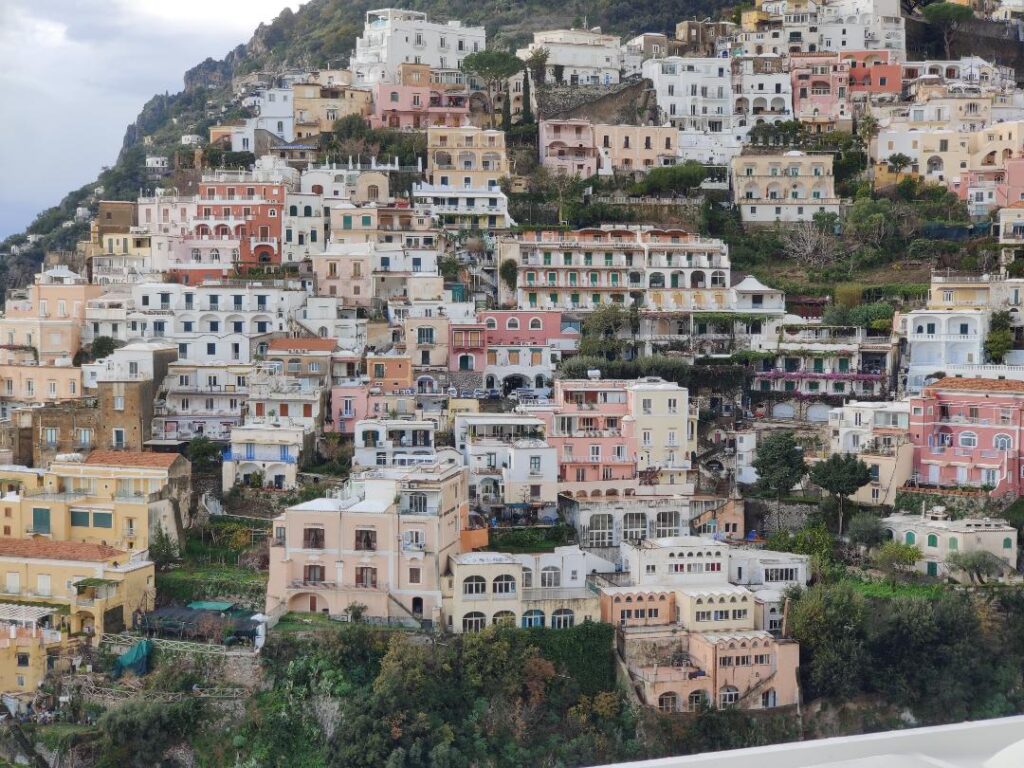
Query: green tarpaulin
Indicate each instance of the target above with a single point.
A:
(135, 659)
(210, 605)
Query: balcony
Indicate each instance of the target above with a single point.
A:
(862, 374)
(270, 458)
(308, 584)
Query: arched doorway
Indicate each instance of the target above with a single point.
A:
(417, 607)
(514, 382)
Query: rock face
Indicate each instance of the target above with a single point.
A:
(629, 101)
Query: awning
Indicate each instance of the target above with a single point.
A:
(25, 614)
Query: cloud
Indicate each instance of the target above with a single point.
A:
(74, 75)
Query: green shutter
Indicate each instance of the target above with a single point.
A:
(102, 520)
(40, 520)
(79, 518)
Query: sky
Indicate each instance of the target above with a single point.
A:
(75, 73)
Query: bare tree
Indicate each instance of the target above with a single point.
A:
(811, 244)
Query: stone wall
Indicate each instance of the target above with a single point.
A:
(993, 41)
(630, 101)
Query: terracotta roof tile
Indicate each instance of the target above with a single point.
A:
(47, 549)
(979, 385)
(304, 344)
(144, 459)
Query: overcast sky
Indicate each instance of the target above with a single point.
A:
(75, 73)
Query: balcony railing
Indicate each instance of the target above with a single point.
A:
(238, 456)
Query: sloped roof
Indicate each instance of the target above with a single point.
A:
(143, 459)
(47, 549)
(979, 385)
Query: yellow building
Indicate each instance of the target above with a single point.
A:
(467, 157)
(112, 498)
(94, 588)
(664, 424)
(30, 642)
(316, 107)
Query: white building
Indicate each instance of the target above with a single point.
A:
(938, 536)
(303, 226)
(694, 94)
(388, 442)
(201, 399)
(392, 37)
(467, 208)
(213, 322)
(940, 338)
(271, 452)
(137, 361)
(578, 56)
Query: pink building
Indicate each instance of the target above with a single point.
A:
(507, 327)
(821, 97)
(874, 72)
(416, 103)
(969, 432)
(590, 426)
(467, 347)
(568, 146)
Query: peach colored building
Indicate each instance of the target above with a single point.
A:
(389, 371)
(382, 541)
(568, 146)
(345, 272)
(629, 148)
(49, 314)
(417, 103)
(821, 91)
(316, 107)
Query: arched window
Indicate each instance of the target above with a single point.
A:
(668, 702)
(910, 538)
(533, 618)
(600, 533)
(504, 585)
(697, 700)
(214, 254)
(322, 332)
(769, 699)
(372, 192)
(466, 362)
(634, 526)
(550, 576)
(1003, 442)
(293, 210)
(728, 696)
(474, 585)
(563, 618)
(318, 189)
(535, 324)
(1008, 543)
(492, 324)
(968, 440)
(473, 622)
(512, 324)
(504, 619)
(933, 540)
(307, 210)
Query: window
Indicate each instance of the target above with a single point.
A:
(80, 518)
(535, 465)
(119, 402)
(474, 585)
(366, 540)
(504, 585)
(366, 577)
(40, 520)
(473, 622)
(102, 519)
(563, 618)
(968, 440)
(50, 436)
(414, 576)
(550, 576)
(313, 538)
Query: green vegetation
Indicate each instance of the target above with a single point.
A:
(1000, 339)
(601, 333)
(842, 475)
(779, 463)
(717, 378)
(493, 66)
(516, 540)
(673, 179)
(203, 453)
(948, 17)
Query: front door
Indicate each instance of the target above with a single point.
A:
(312, 603)
(933, 568)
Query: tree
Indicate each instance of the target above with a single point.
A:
(780, 464)
(449, 266)
(867, 130)
(506, 111)
(979, 565)
(202, 452)
(866, 530)
(492, 66)
(537, 64)
(163, 550)
(600, 334)
(509, 273)
(526, 117)
(102, 346)
(997, 344)
(898, 161)
(830, 621)
(812, 243)
(895, 558)
(841, 474)
(948, 17)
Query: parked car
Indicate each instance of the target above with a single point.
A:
(493, 394)
(480, 394)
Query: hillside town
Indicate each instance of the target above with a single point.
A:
(428, 401)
